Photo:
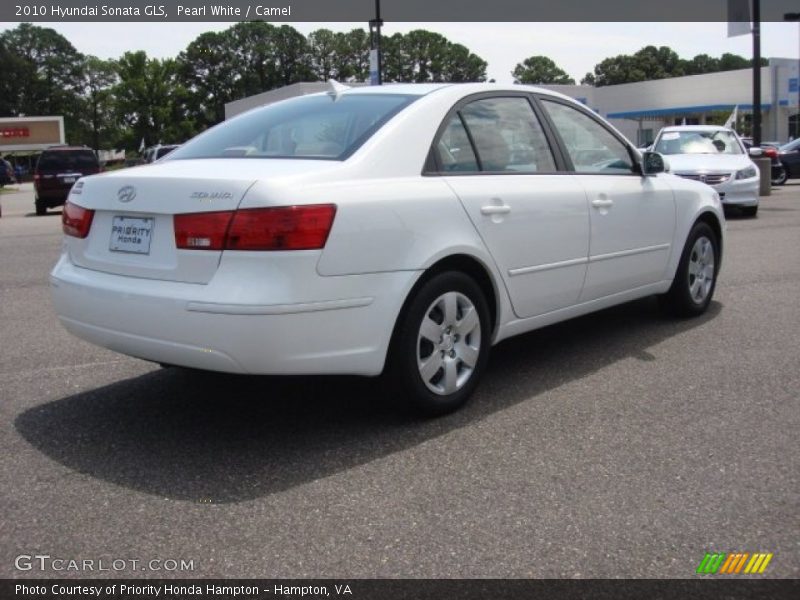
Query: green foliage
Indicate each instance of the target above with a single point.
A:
(423, 56)
(659, 63)
(119, 103)
(46, 73)
(540, 70)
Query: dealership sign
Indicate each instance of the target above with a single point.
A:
(14, 132)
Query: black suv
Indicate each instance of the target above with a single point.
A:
(58, 168)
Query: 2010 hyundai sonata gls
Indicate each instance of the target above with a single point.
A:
(403, 227)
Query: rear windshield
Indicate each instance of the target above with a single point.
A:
(320, 126)
(67, 159)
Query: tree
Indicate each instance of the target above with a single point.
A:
(702, 63)
(99, 76)
(210, 76)
(150, 101)
(422, 56)
(47, 74)
(540, 69)
(658, 63)
(340, 56)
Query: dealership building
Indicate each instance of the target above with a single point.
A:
(640, 109)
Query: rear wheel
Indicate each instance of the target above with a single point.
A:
(441, 344)
(696, 277)
(780, 178)
(41, 209)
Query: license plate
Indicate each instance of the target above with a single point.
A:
(131, 234)
(69, 179)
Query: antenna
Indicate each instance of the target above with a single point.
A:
(337, 89)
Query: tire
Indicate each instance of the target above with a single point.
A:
(781, 178)
(689, 296)
(41, 209)
(750, 211)
(441, 344)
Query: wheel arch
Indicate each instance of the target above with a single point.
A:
(710, 219)
(464, 263)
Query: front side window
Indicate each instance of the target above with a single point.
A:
(508, 136)
(592, 147)
(319, 126)
(698, 142)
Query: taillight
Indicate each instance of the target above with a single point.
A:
(76, 220)
(771, 152)
(202, 231)
(275, 228)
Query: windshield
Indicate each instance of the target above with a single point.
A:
(319, 126)
(67, 159)
(793, 145)
(698, 142)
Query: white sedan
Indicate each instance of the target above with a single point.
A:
(405, 228)
(717, 157)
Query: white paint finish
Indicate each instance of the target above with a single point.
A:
(304, 312)
(543, 239)
(632, 235)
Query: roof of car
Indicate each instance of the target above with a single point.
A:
(423, 89)
(65, 147)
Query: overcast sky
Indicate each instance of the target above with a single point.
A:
(575, 47)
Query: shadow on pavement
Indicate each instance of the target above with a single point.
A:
(206, 437)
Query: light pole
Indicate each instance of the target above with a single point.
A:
(796, 17)
(375, 67)
(756, 133)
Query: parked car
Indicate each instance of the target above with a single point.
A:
(404, 228)
(770, 150)
(57, 170)
(715, 156)
(789, 156)
(154, 153)
(6, 173)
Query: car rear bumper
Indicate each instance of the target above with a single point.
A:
(343, 325)
(52, 197)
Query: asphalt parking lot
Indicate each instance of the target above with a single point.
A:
(622, 444)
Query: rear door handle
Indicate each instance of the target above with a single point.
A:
(494, 209)
(602, 203)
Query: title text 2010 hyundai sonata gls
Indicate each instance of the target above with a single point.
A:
(403, 227)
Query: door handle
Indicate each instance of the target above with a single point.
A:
(494, 209)
(602, 203)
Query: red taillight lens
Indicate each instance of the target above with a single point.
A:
(202, 231)
(771, 152)
(276, 228)
(281, 228)
(76, 220)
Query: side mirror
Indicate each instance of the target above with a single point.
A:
(754, 151)
(652, 163)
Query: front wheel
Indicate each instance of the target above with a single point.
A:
(696, 277)
(41, 208)
(441, 344)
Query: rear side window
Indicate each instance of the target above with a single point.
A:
(58, 160)
(508, 136)
(454, 149)
(320, 126)
(494, 135)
